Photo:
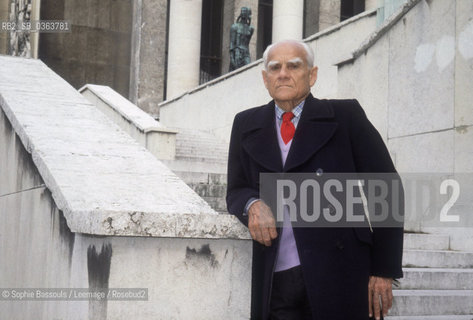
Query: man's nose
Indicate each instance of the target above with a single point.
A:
(283, 72)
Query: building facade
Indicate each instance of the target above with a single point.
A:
(154, 50)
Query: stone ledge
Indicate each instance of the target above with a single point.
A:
(126, 109)
(159, 224)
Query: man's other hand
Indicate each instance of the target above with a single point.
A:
(380, 296)
(261, 223)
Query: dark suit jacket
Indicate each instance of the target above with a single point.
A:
(332, 136)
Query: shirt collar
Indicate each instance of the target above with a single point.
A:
(296, 111)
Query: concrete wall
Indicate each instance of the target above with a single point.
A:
(213, 105)
(415, 86)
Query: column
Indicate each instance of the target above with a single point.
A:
(329, 13)
(148, 54)
(288, 17)
(4, 16)
(185, 22)
(371, 4)
(34, 36)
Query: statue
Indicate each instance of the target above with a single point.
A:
(240, 35)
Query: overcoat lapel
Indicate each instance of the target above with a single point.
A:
(260, 139)
(314, 130)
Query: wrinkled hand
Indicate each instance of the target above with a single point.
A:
(261, 223)
(380, 296)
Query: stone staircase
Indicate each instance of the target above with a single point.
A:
(201, 161)
(437, 283)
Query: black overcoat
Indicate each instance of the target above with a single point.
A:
(332, 136)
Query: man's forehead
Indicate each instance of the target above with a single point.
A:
(286, 49)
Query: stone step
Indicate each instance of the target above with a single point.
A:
(425, 241)
(437, 279)
(196, 165)
(202, 177)
(437, 259)
(198, 159)
(201, 155)
(205, 146)
(444, 317)
(190, 136)
(201, 142)
(432, 302)
(218, 204)
(210, 190)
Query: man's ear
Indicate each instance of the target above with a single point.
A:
(313, 75)
(265, 78)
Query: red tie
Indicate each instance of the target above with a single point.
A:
(287, 127)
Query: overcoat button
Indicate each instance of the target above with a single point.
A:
(319, 172)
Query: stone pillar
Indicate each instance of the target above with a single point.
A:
(311, 17)
(148, 54)
(4, 11)
(184, 46)
(288, 17)
(228, 20)
(34, 36)
(329, 13)
(371, 4)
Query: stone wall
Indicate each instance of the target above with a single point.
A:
(414, 84)
(98, 48)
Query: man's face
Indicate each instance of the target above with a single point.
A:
(288, 78)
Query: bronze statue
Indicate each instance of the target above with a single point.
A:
(240, 36)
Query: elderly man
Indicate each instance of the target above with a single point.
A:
(309, 273)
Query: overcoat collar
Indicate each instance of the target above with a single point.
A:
(314, 130)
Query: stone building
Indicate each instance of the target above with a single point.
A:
(153, 50)
(88, 179)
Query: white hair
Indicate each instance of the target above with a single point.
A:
(309, 53)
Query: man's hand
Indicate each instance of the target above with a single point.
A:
(380, 296)
(261, 223)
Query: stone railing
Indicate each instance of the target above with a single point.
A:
(161, 141)
(83, 205)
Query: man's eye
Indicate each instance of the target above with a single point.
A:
(292, 66)
(274, 68)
